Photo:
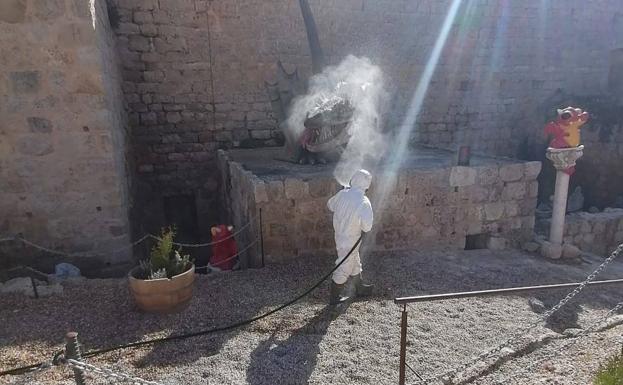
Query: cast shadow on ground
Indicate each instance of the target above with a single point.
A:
(293, 360)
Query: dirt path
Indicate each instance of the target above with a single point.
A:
(312, 343)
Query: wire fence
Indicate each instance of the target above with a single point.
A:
(448, 377)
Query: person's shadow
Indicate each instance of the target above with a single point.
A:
(291, 361)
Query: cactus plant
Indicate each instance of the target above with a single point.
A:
(164, 261)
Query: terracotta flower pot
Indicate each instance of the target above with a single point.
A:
(162, 295)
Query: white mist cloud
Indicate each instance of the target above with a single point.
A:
(362, 83)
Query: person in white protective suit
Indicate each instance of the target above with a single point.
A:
(352, 214)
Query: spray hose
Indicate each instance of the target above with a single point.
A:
(92, 353)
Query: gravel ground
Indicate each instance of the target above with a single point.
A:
(312, 343)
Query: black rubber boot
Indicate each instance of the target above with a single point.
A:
(336, 290)
(362, 289)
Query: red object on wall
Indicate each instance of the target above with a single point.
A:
(225, 248)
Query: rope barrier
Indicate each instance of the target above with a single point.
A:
(230, 258)
(235, 325)
(124, 248)
(209, 243)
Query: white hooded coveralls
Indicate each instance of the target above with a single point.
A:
(352, 214)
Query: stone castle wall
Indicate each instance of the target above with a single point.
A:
(194, 71)
(193, 75)
(63, 182)
(598, 233)
(432, 208)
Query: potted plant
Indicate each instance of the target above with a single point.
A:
(164, 282)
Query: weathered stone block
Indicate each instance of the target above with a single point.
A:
(514, 191)
(140, 4)
(25, 81)
(319, 188)
(223, 136)
(488, 175)
(139, 43)
(462, 176)
(551, 250)
(276, 191)
(295, 188)
(260, 134)
(148, 118)
(47, 9)
(533, 189)
(35, 146)
(12, 11)
(532, 170)
(176, 157)
(511, 172)
(153, 76)
(39, 125)
(479, 194)
(149, 30)
(80, 8)
(260, 192)
(143, 17)
(494, 211)
(496, 243)
(570, 251)
(511, 209)
(174, 117)
(146, 168)
(177, 5)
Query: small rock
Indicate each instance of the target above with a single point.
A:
(537, 305)
(570, 251)
(19, 285)
(66, 270)
(593, 210)
(507, 352)
(572, 332)
(576, 200)
(531, 247)
(49, 290)
(551, 250)
(496, 243)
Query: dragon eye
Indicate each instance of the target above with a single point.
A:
(566, 115)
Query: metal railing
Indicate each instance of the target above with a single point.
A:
(404, 301)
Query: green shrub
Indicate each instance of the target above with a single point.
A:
(611, 373)
(164, 261)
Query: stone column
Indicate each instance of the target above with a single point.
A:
(564, 160)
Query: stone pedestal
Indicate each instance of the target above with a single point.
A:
(563, 160)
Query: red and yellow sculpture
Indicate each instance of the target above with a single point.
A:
(565, 130)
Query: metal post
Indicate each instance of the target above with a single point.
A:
(34, 287)
(261, 237)
(403, 346)
(72, 350)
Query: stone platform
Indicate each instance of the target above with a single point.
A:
(429, 204)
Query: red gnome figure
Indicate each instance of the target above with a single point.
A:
(565, 130)
(224, 249)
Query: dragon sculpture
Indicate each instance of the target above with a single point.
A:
(325, 127)
(565, 130)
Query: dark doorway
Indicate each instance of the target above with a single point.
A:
(476, 241)
(181, 211)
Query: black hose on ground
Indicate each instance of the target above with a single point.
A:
(92, 353)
